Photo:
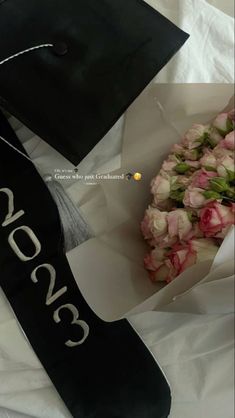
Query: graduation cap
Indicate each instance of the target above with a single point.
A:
(102, 54)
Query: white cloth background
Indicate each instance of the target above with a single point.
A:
(195, 348)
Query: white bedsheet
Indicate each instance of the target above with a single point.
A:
(179, 341)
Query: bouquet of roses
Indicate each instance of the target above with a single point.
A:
(193, 200)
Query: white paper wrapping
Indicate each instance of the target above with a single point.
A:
(109, 268)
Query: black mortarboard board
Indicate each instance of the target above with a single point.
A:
(105, 53)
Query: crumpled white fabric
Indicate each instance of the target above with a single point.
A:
(208, 55)
(194, 348)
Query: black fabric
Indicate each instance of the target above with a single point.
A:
(71, 99)
(112, 374)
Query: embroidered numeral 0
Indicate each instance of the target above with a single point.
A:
(75, 321)
(10, 218)
(33, 238)
(50, 297)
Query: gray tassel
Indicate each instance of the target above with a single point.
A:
(75, 229)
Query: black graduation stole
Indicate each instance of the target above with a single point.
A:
(100, 369)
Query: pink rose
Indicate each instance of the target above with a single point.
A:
(184, 256)
(223, 123)
(154, 224)
(221, 151)
(153, 260)
(169, 166)
(195, 136)
(225, 166)
(208, 160)
(162, 274)
(184, 181)
(193, 164)
(179, 224)
(229, 141)
(191, 154)
(155, 264)
(201, 179)
(214, 218)
(194, 198)
(160, 188)
(178, 149)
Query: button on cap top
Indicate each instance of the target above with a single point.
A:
(60, 48)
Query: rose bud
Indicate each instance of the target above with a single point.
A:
(192, 154)
(229, 141)
(179, 224)
(195, 136)
(214, 218)
(182, 181)
(182, 168)
(182, 258)
(201, 179)
(231, 115)
(225, 168)
(219, 184)
(154, 224)
(214, 137)
(209, 162)
(194, 198)
(169, 165)
(223, 124)
(160, 188)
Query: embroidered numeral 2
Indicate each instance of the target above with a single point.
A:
(10, 218)
(50, 298)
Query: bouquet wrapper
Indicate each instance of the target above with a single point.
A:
(109, 268)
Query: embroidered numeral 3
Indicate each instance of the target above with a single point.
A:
(75, 321)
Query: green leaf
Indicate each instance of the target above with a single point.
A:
(230, 126)
(219, 184)
(211, 142)
(231, 193)
(210, 194)
(230, 175)
(209, 168)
